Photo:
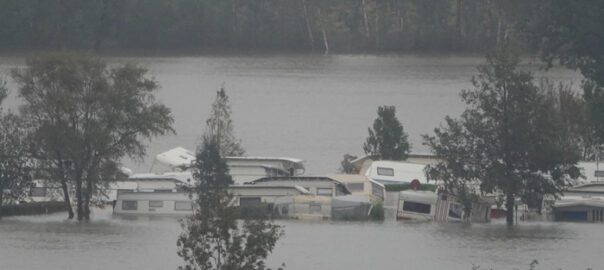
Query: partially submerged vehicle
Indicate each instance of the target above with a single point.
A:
(151, 203)
(351, 207)
(306, 207)
(583, 203)
(416, 205)
(439, 205)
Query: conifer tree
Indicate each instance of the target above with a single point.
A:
(213, 237)
(219, 127)
(387, 140)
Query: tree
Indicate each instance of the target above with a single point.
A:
(571, 32)
(511, 137)
(213, 238)
(576, 116)
(219, 127)
(346, 166)
(15, 171)
(387, 140)
(86, 117)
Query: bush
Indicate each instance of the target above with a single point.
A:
(33, 208)
(377, 212)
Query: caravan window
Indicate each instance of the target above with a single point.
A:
(416, 207)
(249, 201)
(324, 191)
(385, 171)
(129, 205)
(314, 207)
(156, 204)
(377, 190)
(183, 206)
(355, 186)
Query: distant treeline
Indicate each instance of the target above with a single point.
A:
(341, 26)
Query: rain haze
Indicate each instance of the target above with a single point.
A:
(301, 134)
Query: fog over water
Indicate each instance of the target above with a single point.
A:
(312, 107)
(316, 108)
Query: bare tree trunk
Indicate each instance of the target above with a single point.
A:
(86, 204)
(400, 20)
(365, 21)
(377, 26)
(67, 199)
(311, 39)
(499, 25)
(509, 206)
(325, 42)
(64, 186)
(460, 28)
(1, 198)
(79, 198)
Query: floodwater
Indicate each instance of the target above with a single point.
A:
(316, 108)
(313, 107)
(50, 242)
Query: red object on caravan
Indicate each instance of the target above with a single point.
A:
(401, 218)
(415, 184)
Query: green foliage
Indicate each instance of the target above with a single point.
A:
(511, 138)
(86, 117)
(401, 187)
(213, 237)
(33, 208)
(298, 25)
(571, 32)
(387, 140)
(576, 117)
(377, 212)
(594, 98)
(219, 127)
(15, 168)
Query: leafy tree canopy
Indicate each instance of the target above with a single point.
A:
(511, 138)
(15, 168)
(86, 117)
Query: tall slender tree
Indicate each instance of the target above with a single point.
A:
(213, 238)
(387, 139)
(219, 127)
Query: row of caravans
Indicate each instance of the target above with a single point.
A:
(288, 197)
(277, 182)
